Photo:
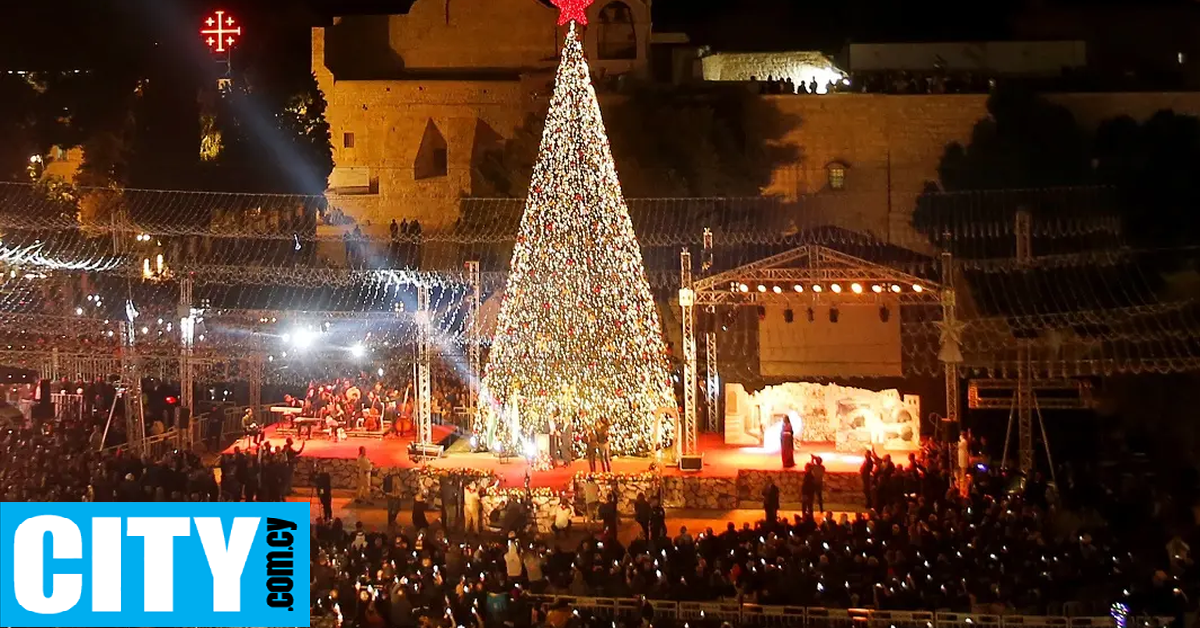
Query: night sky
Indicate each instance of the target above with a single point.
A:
(65, 34)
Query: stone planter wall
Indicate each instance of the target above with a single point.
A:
(840, 488)
(693, 491)
(699, 492)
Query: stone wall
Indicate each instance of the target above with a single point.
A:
(698, 492)
(889, 144)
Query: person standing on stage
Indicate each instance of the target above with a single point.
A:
(602, 448)
(787, 444)
(590, 440)
(555, 439)
(771, 502)
(566, 441)
(362, 492)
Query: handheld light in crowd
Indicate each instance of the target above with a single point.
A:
(358, 350)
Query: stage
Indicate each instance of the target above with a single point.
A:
(734, 472)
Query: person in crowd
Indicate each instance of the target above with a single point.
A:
(362, 490)
(473, 509)
(562, 519)
(420, 521)
(771, 502)
(391, 490)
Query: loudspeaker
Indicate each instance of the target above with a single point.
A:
(691, 463)
(949, 430)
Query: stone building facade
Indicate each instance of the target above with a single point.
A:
(415, 99)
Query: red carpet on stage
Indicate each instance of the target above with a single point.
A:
(720, 460)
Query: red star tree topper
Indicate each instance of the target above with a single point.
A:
(572, 11)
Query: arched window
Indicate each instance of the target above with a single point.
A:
(617, 38)
(432, 157)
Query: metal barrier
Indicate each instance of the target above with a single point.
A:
(967, 620)
(67, 406)
(802, 617)
(900, 619)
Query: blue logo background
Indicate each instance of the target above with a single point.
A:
(193, 590)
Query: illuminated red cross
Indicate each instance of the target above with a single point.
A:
(572, 11)
(220, 32)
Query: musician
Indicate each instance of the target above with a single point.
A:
(251, 429)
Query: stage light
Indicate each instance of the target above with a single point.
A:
(837, 288)
(79, 311)
(358, 350)
(816, 287)
(302, 339)
(530, 449)
(777, 290)
(812, 316)
(762, 288)
(856, 288)
(744, 288)
(896, 288)
(833, 315)
(798, 288)
(884, 314)
(917, 287)
(789, 315)
(877, 288)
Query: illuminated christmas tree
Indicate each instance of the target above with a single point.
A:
(578, 330)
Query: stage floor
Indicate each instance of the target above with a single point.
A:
(720, 460)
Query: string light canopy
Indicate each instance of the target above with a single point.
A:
(578, 333)
(572, 11)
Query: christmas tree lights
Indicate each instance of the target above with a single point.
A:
(578, 333)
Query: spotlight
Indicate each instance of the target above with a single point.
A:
(798, 288)
(896, 288)
(837, 288)
(876, 288)
(789, 315)
(358, 350)
(856, 288)
(744, 288)
(917, 287)
(884, 314)
(762, 288)
(833, 315)
(300, 338)
(779, 290)
(816, 287)
(812, 316)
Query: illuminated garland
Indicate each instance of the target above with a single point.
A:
(578, 329)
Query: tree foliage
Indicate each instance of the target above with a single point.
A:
(274, 137)
(1029, 152)
(1155, 168)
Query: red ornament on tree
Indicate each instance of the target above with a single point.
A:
(572, 11)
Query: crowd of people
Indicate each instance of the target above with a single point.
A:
(923, 545)
(943, 81)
